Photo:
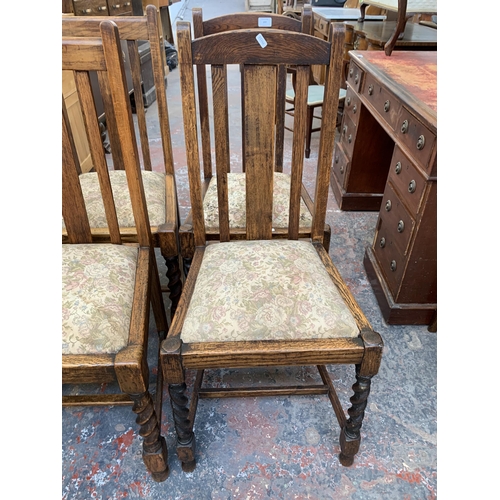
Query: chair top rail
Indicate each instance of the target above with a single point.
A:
(130, 27)
(83, 55)
(254, 46)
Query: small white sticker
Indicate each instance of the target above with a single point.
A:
(265, 22)
(261, 40)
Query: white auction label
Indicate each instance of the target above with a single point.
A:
(265, 22)
(261, 40)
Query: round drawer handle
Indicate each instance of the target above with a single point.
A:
(351, 72)
(401, 226)
(349, 139)
(404, 127)
(370, 90)
(348, 101)
(398, 168)
(382, 242)
(356, 78)
(102, 8)
(388, 206)
(421, 142)
(341, 169)
(412, 186)
(126, 4)
(354, 109)
(117, 6)
(86, 11)
(344, 130)
(393, 265)
(387, 105)
(336, 158)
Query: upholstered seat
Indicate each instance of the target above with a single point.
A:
(154, 190)
(243, 292)
(315, 95)
(237, 203)
(97, 294)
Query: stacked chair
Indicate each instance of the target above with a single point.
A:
(252, 300)
(160, 187)
(108, 286)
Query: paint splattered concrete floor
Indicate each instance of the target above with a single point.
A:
(275, 447)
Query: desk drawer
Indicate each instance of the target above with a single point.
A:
(416, 137)
(321, 25)
(387, 106)
(355, 76)
(90, 8)
(352, 105)
(390, 258)
(348, 135)
(407, 180)
(340, 164)
(120, 8)
(398, 223)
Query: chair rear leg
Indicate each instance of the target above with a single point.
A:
(174, 282)
(309, 124)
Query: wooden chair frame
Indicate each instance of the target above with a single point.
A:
(230, 22)
(133, 29)
(128, 367)
(363, 351)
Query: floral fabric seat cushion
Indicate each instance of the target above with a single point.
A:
(237, 203)
(154, 189)
(265, 290)
(97, 293)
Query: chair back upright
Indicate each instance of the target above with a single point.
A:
(259, 53)
(237, 21)
(104, 56)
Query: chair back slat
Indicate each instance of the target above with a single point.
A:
(135, 67)
(258, 124)
(158, 59)
(280, 117)
(73, 205)
(221, 135)
(299, 137)
(201, 76)
(87, 104)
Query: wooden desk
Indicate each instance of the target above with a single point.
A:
(386, 160)
(374, 35)
(322, 17)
